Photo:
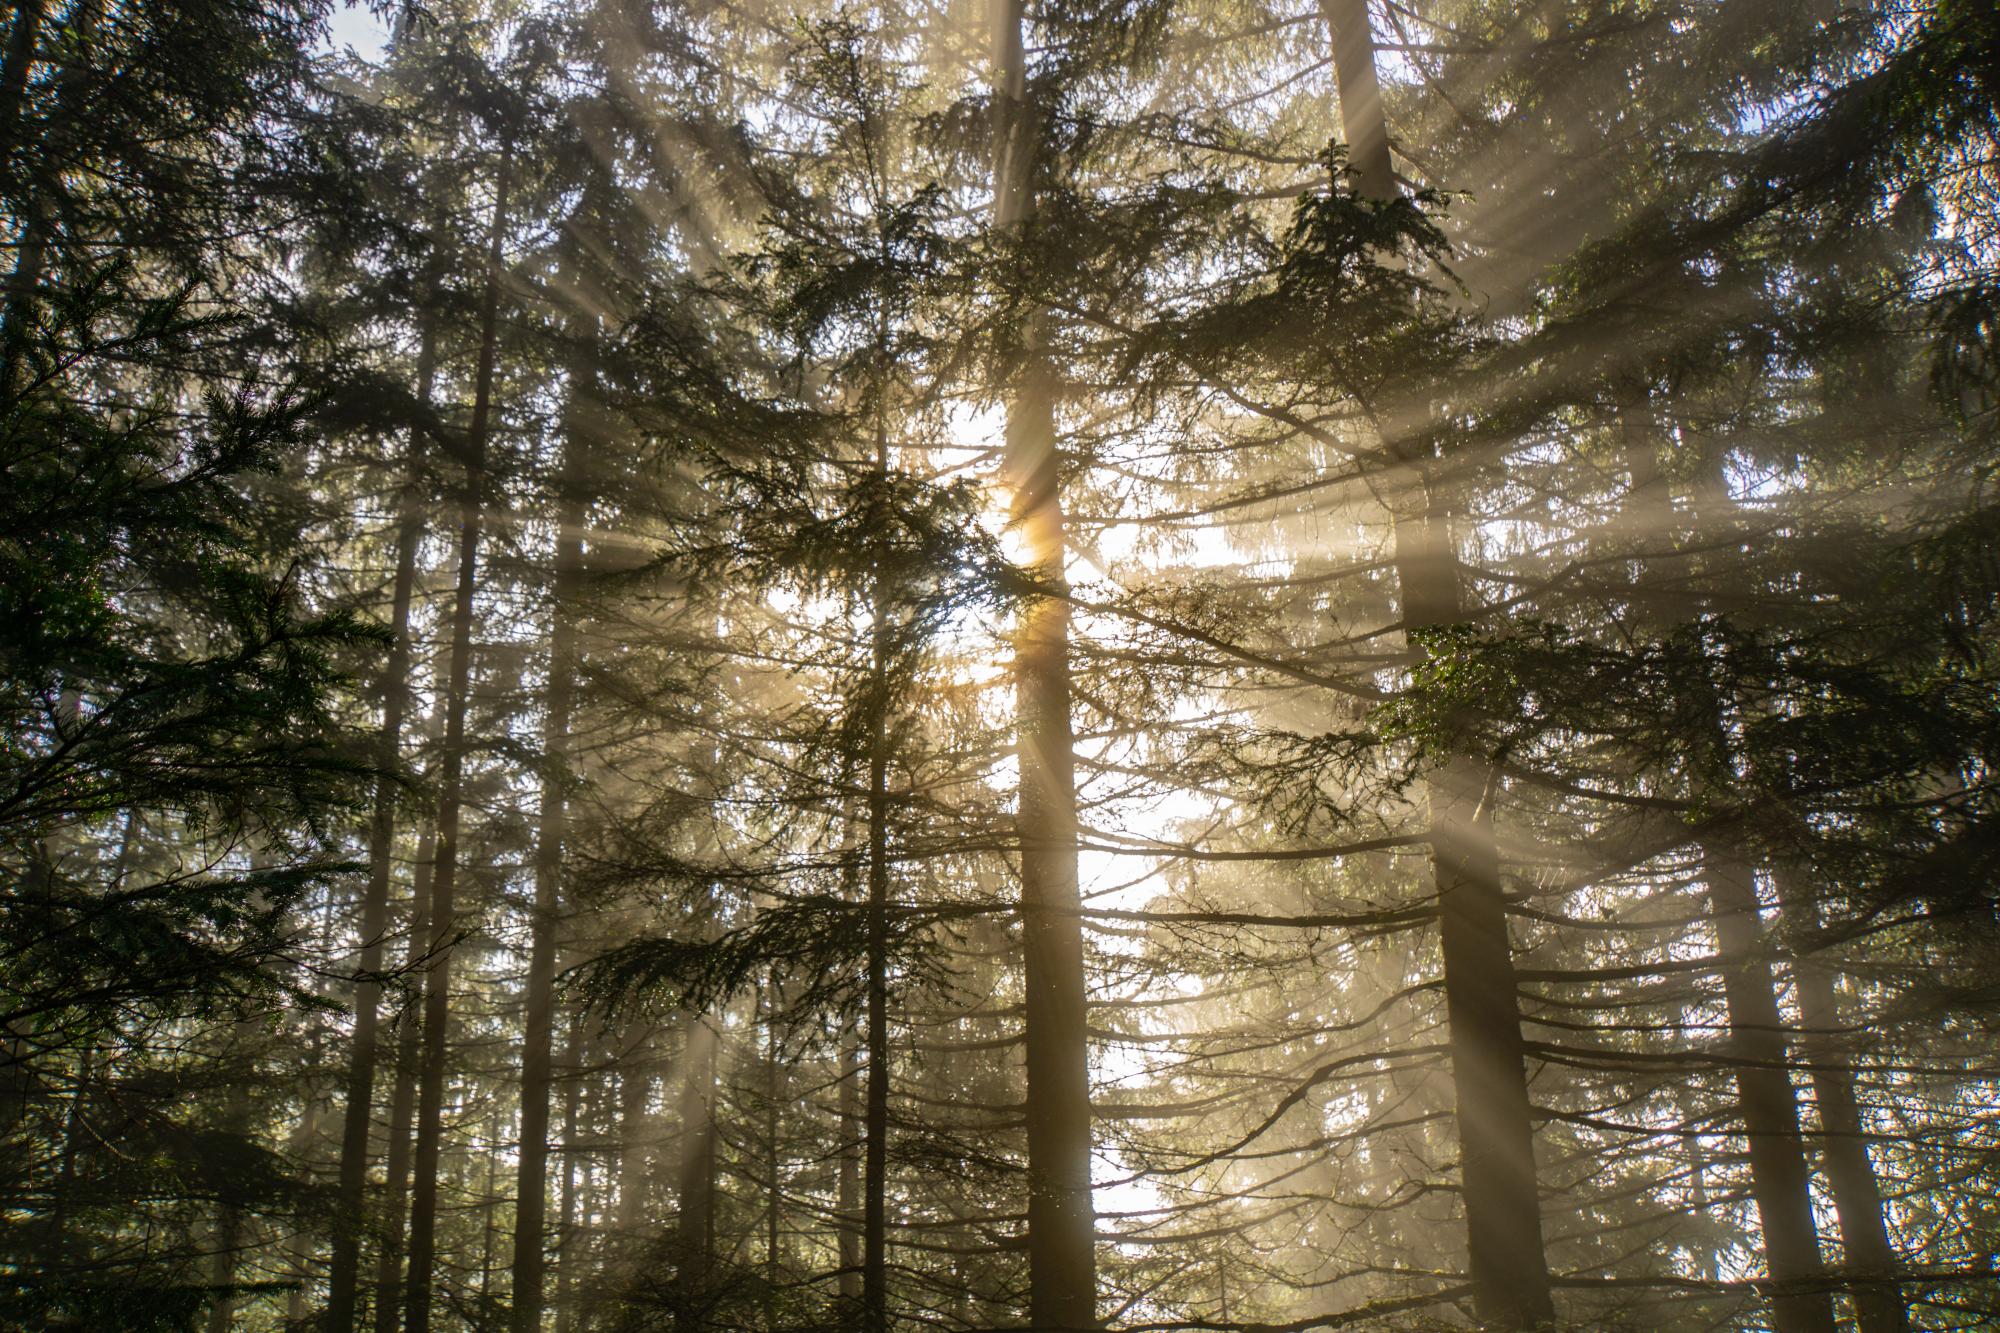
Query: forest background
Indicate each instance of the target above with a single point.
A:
(1140, 664)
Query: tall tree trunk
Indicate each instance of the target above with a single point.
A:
(403, 1104)
(587, 1248)
(24, 284)
(222, 1267)
(635, 1098)
(488, 1204)
(695, 1230)
(229, 1228)
(1363, 119)
(1800, 1302)
(1503, 1216)
(1062, 1259)
(875, 1165)
(349, 1209)
(1509, 1266)
(566, 1215)
(437, 981)
(56, 1254)
(300, 1247)
(847, 1186)
(772, 1005)
(22, 40)
(1879, 1306)
(531, 1190)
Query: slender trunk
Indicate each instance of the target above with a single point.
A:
(848, 1182)
(1697, 1156)
(402, 1105)
(222, 1267)
(566, 1215)
(1800, 1302)
(1509, 1267)
(531, 1190)
(56, 1249)
(774, 1163)
(1879, 1306)
(587, 1250)
(875, 1166)
(22, 39)
(300, 1246)
(1062, 1260)
(487, 1206)
(57, 1254)
(696, 1226)
(229, 1217)
(24, 284)
(875, 1169)
(635, 1096)
(345, 1273)
(437, 981)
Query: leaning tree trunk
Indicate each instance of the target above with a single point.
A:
(1062, 1260)
(349, 1207)
(1779, 1184)
(1879, 1306)
(1801, 1298)
(437, 980)
(1509, 1267)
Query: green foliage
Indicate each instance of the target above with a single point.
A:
(178, 758)
(45, 1306)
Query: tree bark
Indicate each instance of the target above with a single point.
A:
(349, 1206)
(1800, 1301)
(1509, 1266)
(222, 1268)
(1503, 1216)
(402, 1106)
(1363, 119)
(531, 1189)
(635, 1096)
(56, 1253)
(774, 1156)
(229, 1222)
(299, 1249)
(1062, 1260)
(24, 284)
(848, 1179)
(1879, 1306)
(695, 1230)
(437, 981)
(566, 1216)
(22, 40)
(875, 1164)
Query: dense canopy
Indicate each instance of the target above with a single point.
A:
(999, 664)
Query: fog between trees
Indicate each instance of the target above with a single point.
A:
(999, 665)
